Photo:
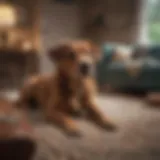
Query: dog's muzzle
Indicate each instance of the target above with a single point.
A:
(85, 69)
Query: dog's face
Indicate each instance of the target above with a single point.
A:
(76, 58)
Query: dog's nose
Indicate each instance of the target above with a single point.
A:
(84, 68)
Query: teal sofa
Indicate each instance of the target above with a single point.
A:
(116, 75)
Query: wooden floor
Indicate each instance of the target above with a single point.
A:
(137, 137)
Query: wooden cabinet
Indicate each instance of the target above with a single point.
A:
(15, 66)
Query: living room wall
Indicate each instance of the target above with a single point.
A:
(60, 21)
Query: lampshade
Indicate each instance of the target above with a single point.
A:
(7, 15)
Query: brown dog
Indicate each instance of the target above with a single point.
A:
(71, 89)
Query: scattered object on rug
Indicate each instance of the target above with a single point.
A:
(153, 98)
(16, 134)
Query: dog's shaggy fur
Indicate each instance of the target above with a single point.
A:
(71, 89)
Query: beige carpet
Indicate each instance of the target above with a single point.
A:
(137, 138)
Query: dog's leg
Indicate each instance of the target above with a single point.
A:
(89, 103)
(74, 107)
(64, 121)
(97, 117)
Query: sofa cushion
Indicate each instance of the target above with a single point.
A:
(122, 54)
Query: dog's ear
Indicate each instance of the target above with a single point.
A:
(88, 46)
(57, 52)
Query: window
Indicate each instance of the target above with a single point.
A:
(153, 10)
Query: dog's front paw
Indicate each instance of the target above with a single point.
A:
(73, 132)
(107, 125)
